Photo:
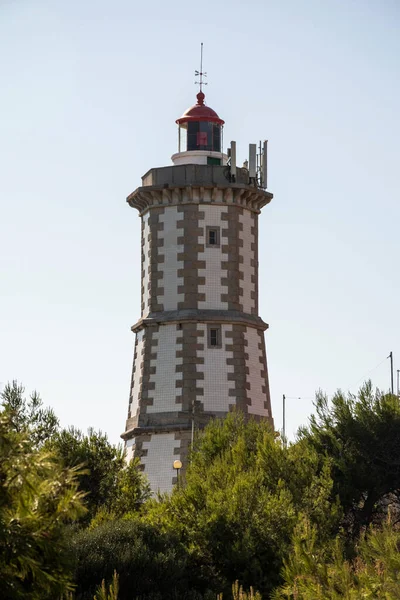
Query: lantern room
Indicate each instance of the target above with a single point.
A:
(200, 136)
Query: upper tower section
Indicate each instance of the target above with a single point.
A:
(201, 173)
(200, 136)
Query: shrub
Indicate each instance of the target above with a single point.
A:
(150, 564)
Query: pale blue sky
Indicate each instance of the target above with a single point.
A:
(90, 93)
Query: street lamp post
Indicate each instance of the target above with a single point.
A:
(177, 467)
(391, 372)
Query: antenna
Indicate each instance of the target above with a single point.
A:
(200, 74)
(262, 165)
(233, 160)
(252, 161)
(265, 165)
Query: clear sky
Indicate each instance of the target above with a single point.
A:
(89, 96)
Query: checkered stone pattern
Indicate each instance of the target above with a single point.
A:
(158, 454)
(181, 270)
(129, 449)
(169, 250)
(156, 259)
(240, 259)
(247, 261)
(257, 378)
(217, 385)
(189, 225)
(166, 371)
(145, 264)
(189, 387)
(213, 275)
(137, 373)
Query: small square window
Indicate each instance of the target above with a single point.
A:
(212, 237)
(214, 336)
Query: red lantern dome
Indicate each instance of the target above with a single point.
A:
(199, 112)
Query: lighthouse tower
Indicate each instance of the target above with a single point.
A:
(199, 343)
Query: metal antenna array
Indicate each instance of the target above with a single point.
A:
(262, 164)
(200, 73)
(257, 165)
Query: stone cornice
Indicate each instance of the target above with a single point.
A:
(170, 422)
(169, 426)
(136, 431)
(202, 316)
(246, 196)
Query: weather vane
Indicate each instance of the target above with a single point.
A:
(200, 73)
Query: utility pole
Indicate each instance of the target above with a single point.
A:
(284, 419)
(391, 371)
(192, 436)
(398, 382)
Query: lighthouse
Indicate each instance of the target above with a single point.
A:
(199, 348)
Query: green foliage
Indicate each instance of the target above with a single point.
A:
(250, 510)
(28, 415)
(361, 436)
(37, 498)
(316, 572)
(243, 496)
(102, 593)
(102, 462)
(112, 593)
(150, 564)
(131, 491)
(239, 594)
(112, 487)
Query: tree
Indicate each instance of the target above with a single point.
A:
(150, 563)
(131, 491)
(28, 415)
(321, 572)
(102, 461)
(111, 486)
(243, 495)
(361, 437)
(106, 480)
(37, 498)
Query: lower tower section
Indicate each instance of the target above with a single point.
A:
(186, 373)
